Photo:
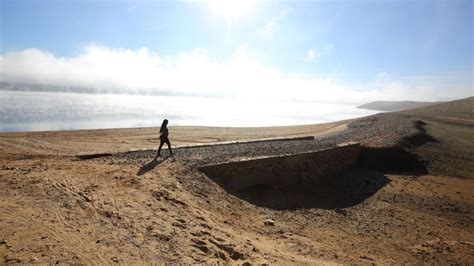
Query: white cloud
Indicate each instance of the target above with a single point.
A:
(194, 73)
(314, 53)
(310, 54)
(271, 27)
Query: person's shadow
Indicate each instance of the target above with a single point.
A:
(151, 165)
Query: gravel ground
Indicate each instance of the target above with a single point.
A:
(381, 130)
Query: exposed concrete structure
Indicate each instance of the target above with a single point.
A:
(286, 170)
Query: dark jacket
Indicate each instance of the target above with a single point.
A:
(164, 133)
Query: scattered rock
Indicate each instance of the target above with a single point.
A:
(201, 245)
(66, 205)
(9, 259)
(203, 248)
(222, 255)
(365, 257)
(180, 225)
(162, 237)
(219, 239)
(85, 197)
(229, 249)
(205, 225)
(159, 195)
(269, 222)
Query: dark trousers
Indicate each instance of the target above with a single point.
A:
(163, 141)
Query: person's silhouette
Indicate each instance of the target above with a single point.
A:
(164, 137)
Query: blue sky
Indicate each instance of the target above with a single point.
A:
(414, 48)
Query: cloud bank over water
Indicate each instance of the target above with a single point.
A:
(195, 73)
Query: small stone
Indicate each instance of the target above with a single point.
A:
(269, 222)
(365, 257)
(3, 241)
(222, 255)
(203, 248)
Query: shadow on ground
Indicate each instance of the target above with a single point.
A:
(338, 192)
(151, 165)
(400, 157)
(395, 159)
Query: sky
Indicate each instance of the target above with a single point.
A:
(329, 51)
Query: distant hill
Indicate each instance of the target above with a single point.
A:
(461, 110)
(394, 106)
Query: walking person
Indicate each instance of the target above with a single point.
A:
(164, 138)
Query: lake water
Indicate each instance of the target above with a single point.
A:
(38, 111)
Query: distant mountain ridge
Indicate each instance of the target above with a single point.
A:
(395, 106)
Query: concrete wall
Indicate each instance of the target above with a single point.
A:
(281, 171)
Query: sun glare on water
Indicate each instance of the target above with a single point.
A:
(230, 9)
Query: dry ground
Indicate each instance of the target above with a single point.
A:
(126, 208)
(120, 140)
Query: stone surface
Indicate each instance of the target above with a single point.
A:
(285, 170)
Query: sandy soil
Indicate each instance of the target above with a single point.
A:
(127, 208)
